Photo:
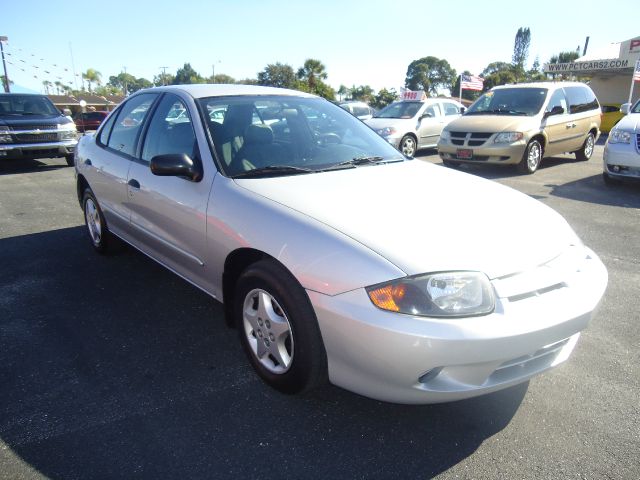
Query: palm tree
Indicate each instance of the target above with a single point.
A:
(58, 85)
(47, 84)
(92, 76)
(312, 73)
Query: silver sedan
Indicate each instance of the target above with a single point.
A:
(336, 257)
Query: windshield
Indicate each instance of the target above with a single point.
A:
(399, 110)
(289, 135)
(19, 105)
(509, 101)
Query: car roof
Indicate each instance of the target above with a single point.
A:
(540, 85)
(202, 90)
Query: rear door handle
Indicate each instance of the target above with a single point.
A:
(133, 183)
(87, 162)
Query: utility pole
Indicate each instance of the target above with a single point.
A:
(125, 81)
(73, 69)
(6, 77)
(164, 74)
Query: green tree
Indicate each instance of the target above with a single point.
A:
(343, 92)
(92, 76)
(497, 73)
(278, 75)
(248, 81)
(521, 51)
(563, 57)
(163, 79)
(107, 89)
(363, 93)
(311, 76)
(186, 75)
(534, 74)
(47, 85)
(384, 97)
(221, 78)
(429, 74)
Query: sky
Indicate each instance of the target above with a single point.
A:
(359, 42)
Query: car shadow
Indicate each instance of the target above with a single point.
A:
(12, 167)
(493, 171)
(113, 367)
(593, 190)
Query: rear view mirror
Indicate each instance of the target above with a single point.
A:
(625, 108)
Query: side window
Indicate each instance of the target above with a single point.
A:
(129, 122)
(451, 109)
(433, 110)
(581, 99)
(360, 111)
(557, 100)
(170, 130)
(103, 137)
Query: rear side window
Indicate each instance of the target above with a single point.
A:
(581, 99)
(451, 109)
(126, 128)
(103, 137)
(610, 109)
(558, 99)
(360, 111)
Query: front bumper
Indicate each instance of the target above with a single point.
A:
(496, 153)
(622, 160)
(407, 359)
(37, 150)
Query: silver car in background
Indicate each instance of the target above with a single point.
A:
(312, 231)
(622, 151)
(412, 125)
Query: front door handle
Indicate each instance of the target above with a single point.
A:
(134, 183)
(87, 162)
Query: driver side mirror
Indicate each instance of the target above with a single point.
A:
(176, 165)
(625, 108)
(426, 115)
(462, 110)
(557, 110)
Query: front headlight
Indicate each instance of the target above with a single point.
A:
(619, 136)
(446, 294)
(445, 135)
(67, 131)
(508, 137)
(5, 136)
(386, 132)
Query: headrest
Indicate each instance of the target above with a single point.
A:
(258, 134)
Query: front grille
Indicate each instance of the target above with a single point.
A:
(638, 141)
(539, 360)
(34, 126)
(470, 139)
(36, 137)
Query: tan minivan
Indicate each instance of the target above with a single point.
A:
(521, 124)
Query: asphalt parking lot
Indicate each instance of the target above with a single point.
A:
(113, 367)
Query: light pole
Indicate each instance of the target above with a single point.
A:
(164, 75)
(213, 71)
(6, 77)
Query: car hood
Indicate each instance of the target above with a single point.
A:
(425, 218)
(629, 122)
(493, 123)
(400, 123)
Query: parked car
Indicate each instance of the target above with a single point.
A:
(411, 125)
(358, 109)
(89, 120)
(31, 127)
(312, 231)
(611, 115)
(621, 152)
(521, 124)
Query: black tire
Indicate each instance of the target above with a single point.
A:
(532, 157)
(97, 229)
(69, 159)
(586, 151)
(408, 146)
(450, 163)
(289, 328)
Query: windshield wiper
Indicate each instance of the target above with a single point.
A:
(359, 161)
(273, 170)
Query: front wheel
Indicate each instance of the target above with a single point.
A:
(531, 158)
(278, 328)
(408, 145)
(586, 151)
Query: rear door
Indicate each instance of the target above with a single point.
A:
(106, 165)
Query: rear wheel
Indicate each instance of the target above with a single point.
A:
(408, 145)
(586, 151)
(531, 158)
(96, 225)
(278, 328)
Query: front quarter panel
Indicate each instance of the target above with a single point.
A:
(321, 258)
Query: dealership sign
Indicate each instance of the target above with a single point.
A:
(588, 66)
